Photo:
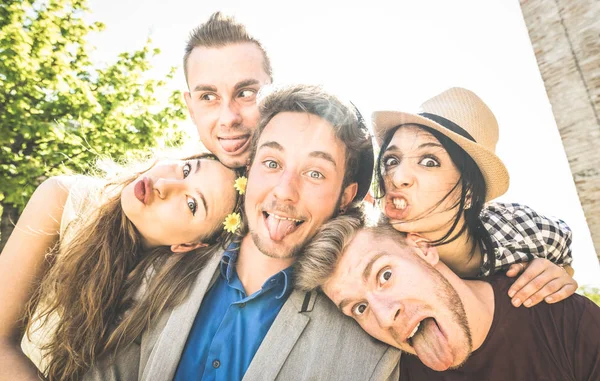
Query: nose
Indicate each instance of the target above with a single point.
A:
(164, 188)
(230, 115)
(385, 310)
(403, 176)
(287, 187)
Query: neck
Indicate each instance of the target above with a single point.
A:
(254, 268)
(478, 300)
(457, 254)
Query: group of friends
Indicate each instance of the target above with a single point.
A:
(255, 260)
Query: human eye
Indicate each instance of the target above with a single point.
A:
(315, 175)
(271, 164)
(246, 93)
(187, 168)
(384, 275)
(390, 161)
(192, 205)
(430, 162)
(208, 97)
(359, 309)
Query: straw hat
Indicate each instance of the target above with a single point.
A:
(464, 118)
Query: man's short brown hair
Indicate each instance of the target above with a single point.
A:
(348, 125)
(320, 258)
(220, 31)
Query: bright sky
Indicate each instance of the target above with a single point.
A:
(391, 54)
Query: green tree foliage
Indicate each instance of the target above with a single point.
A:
(58, 112)
(592, 293)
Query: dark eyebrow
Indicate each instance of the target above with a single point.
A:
(369, 266)
(201, 87)
(200, 194)
(366, 275)
(197, 166)
(271, 144)
(391, 148)
(246, 83)
(323, 155)
(438, 145)
(343, 304)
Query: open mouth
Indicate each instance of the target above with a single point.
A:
(234, 145)
(279, 226)
(397, 208)
(417, 330)
(431, 345)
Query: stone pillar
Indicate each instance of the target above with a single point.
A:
(565, 36)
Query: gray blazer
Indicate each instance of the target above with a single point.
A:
(309, 340)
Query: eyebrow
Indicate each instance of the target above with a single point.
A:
(272, 144)
(367, 271)
(239, 85)
(318, 154)
(201, 87)
(200, 194)
(365, 276)
(246, 83)
(323, 155)
(428, 144)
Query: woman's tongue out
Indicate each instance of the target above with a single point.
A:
(432, 347)
(279, 227)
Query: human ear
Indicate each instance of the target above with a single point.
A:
(187, 96)
(424, 249)
(185, 247)
(348, 195)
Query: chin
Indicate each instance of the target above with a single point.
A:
(271, 249)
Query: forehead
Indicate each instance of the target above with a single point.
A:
(225, 65)
(348, 275)
(304, 134)
(411, 136)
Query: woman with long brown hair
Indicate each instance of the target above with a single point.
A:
(92, 261)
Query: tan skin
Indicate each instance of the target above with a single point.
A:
(418, 173)
(174, 185)
(297, 173)
(223, 83)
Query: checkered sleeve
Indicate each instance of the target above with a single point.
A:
(519, 234)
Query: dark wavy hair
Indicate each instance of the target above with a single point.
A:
(471, 184)
(90, 297)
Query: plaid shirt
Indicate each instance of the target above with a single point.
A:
(519, 234)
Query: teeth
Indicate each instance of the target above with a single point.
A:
(399, 203)
(414, 331)
(285, 218)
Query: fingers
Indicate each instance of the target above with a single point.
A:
(515, 269)
(542, 279)
(563, 293)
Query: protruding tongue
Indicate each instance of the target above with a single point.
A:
(278, 229)
(232, 145)
(432, 347)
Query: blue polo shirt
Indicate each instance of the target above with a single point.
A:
(230, 325)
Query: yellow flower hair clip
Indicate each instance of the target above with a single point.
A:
(240, 184)
(232, 222)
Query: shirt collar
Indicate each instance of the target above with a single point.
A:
(283, 280)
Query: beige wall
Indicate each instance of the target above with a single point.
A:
(565, 35)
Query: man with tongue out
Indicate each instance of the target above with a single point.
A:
(311, 160)
(224, 68)
(399, 291)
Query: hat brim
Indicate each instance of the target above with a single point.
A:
(492, 168)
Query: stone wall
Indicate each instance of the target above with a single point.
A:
(565, 35)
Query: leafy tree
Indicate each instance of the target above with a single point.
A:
(58, 112)
(592, 293)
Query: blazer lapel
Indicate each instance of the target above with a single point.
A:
(164, 358)
(279, 341)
